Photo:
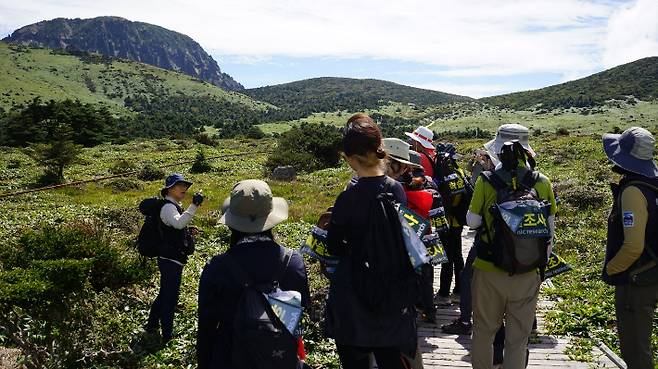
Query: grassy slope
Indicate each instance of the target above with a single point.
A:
(639, 79)
(37, 72)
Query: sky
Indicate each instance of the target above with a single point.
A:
(468, 47)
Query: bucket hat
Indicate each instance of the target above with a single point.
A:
(251, 208)
(398, 150)
(422, 135)
(508, 132)
(172, 180)
(632, 150)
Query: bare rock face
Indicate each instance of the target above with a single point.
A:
(286, 173)
(121, 38)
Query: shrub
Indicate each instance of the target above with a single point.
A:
(205, 139)
(123, 166)
(150, 172)
(255, 132)
(123, 185)
(201, 163)
(561, 131)
(307, 147)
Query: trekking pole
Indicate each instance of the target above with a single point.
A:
(124, 174)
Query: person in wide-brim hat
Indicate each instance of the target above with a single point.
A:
(507, 133)
(632, 150)
(399, 151)
(251, 207)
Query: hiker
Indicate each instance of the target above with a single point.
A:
(253, 262)
(632, 244)
(421, 141)
(177, 243)
(456, 193)
(370, 309)
(479, 163)
(505, 285)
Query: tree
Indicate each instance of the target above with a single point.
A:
(201, 163)
(307, 147)
(56, 155)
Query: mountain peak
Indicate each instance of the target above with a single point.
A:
(122, 38)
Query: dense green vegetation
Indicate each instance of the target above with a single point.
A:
(638, 79)
(307, 148)
(300, 99)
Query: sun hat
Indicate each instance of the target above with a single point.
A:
(172, 180)
(251, 208)
(422, 135)
(506, 133)
(398, 150)
(632, 150)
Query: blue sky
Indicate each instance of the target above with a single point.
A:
(469, 47)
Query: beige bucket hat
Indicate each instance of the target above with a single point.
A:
(251, 208)
(508, 132)
(398, 150)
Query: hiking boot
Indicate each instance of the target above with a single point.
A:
(455, 298)
(442, 300)
(429, 318)
(458, 327)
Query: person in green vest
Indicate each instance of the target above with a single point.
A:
(499, 295)
(631, 262)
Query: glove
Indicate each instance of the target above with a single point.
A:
(197, 199)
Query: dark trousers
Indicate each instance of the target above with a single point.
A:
(635, 306)
(455, 262)
(162, 310)
(352, 357)
(465, 299)
(427, 289)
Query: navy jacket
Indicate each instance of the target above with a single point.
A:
(219, 294)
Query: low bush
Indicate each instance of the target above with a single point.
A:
(307, 148)
(123, 184)
(205, 139)
(150, 172)
(123, 166)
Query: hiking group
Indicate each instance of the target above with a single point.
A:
(401, 215)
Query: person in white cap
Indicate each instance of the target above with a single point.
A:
(631, 262)
(253, 258)
(508, 132)
(421, 141)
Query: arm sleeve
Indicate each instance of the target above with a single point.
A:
(297, 278)
(477, 201)
(635, 215)
(338, 227)
(473, 220)
(400, 195)
(208, 317)
(170, 216)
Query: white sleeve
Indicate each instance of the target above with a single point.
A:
(170, 216)
(473, 220)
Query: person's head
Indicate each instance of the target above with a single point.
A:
(175, 187)
(421, 139)
(399, 157)
(632, 152)
(251, 208)
(362, 143)
(509, 133)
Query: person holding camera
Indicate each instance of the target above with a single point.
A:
(177, 244)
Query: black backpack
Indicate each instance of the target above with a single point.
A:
(260, 339)
(150, 236)
(521, 233)
(381, 272)
(452, 183)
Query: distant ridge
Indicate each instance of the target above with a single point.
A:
(119, 37)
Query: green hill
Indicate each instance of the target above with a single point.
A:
(302, 98)
(638, 79)
(121, 38)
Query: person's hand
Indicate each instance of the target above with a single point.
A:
(197, 199)
(194, 230)
(325, 219)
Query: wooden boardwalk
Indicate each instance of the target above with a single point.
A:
(441, 350)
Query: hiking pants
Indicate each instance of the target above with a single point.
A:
(162, 310)
(427, 289)
(498, 296)
(354, 357)
(455, 262)
(635, 307)
(465, 300)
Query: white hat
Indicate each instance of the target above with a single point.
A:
(506, 133)
(398, 150)
(251, 208)
(422, 135)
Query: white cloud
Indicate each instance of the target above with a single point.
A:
(632, 33)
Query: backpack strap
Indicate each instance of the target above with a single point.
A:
(530, 179)
(494, 180)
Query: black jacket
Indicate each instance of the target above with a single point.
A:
(178, 243)
(219, 294)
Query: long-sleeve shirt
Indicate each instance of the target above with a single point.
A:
(171, 217)
(635, 216)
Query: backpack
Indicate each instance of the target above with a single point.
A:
(521, 233)
(150, 235)
(260, 339)
(452, 182)
(382, 276)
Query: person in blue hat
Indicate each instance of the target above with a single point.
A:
(177, 245)
(631, 261)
